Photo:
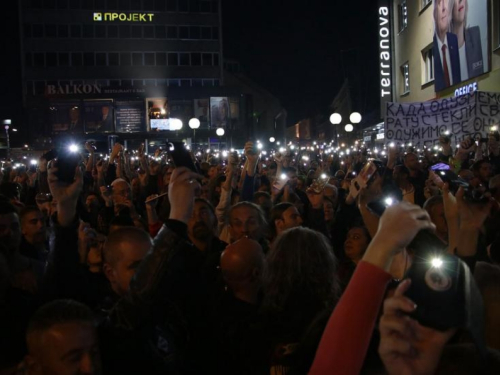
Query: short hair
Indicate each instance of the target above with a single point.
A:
(478, 164)
(115, 239)
(122, 221)
(260, 212)
(261, 194)
(28, 210)
(57, 312)
(432, 202)
(277, 213)
(207, 203)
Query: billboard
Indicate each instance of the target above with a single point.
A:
(219, 112)
(460, 44)
(130, 116)
(66, 116)
(99, 116)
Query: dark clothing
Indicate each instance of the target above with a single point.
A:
(31, 251)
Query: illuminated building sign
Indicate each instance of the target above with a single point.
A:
(384, 37)
(123, 17)
(467, 89)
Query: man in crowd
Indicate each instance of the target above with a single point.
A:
(34, 234)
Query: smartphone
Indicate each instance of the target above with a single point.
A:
(279, 183)
(180, 156)
(424, 242)
(367, 172)
(50, 155)
(440, 167)
(66, 166)
(437, 288)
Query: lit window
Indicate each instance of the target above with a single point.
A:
(402, 15)
(428, 65)
(405, 71)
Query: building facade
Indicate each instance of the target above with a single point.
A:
(420, 28)
(128, 68)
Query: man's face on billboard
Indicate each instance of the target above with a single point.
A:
(74, 114)
(105, 111)
(442, 16)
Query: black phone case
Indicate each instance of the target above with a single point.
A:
(180, 156)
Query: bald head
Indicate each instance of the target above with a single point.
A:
(241, 264)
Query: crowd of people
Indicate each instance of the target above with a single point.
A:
(263, 262)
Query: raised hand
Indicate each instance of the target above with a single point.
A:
(65, 194)
(181, 193)
(406, 347)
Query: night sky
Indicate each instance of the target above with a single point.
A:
(299, 51)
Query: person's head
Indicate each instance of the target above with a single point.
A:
(123, 220)
(223, 109)
(62, 340)
(201, 226)
(494, 186)
(400, 175)
(213, 172)
(242, 264)
(291, 173)
(136, 186)
(92, 202)
(123, 252)
(11, 190)
(10, 229)
(33, 225)
(435, 208)
(442, 17)
(411, 162)
(300, 274)
(246, 219)
(167, 174)
(328, 209)
(459, 13)
(466, 174)
(357, 241)
(121, 190)
(482, 170)
(74, 114)
(284, 216)
(105, 110)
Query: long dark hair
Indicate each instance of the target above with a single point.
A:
(300, 278)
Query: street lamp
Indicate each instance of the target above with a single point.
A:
(335, 118)
(220, 132)
(349, 128)
(272, 139)
(7, 123)
(194, 124)
(355, 118)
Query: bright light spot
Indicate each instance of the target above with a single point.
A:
(34, 162)
(283, 176)
(437, 262)
(282, 149)
(272, 139)
(349, 128)
(292, 147)
(391, 144)
(494, 128)
(194, 123)
(335, 118)
(220, 132)
(355, 118)
(323, 176)
(14, 130)
(73, 148)
(447, 132)
(259, 146)
(388, 201)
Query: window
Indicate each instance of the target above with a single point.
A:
(88, 4)
(185, 82)
(160, 32)
(50, 31)
(208, 83)
(171, 5)
(206, 33)
(160, 5)
(112, 31)
(184, 59)
(39, 87)
(425, 3)
(183, 32)
(100, 59)
(162, 82)
(88, 59)
(428, 71)
(149, 58)
(216, 59)
(405, 72)
(207, 59)
(125, 59)
(37, 31)
(402, 15)
(62, 4)
(27, 59)
(63, 59)
(126, 82)
(112, 4)
(114, 82)
(137, 59)
(124, 31)
(137, 82)
(183, 5)
(114, 58)
(27, 30)
(76, 31)
(150, 82)
(194, 32)
(76, 59)
(99, 4)
(62, 31)
(173, 59)
(124, 4)
(49, 4)
(205, 6)
(161, 59)
(136, 5)
(196, 59)
(136, 31)
(172, 32)
(197, 82)
(100, 31)
(149, 32)
(215, 33)
(88, 31)
(173, 83)
(51, 59)
(148, 5)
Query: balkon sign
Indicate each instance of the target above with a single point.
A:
(123, 17)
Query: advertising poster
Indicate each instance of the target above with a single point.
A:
(423, 123)
(219, 112)
(201, 112)
(460, 44)
(66, 116)
(99, 116)
(157, 108)
(130, 117)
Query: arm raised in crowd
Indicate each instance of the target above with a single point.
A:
(250, 168)
(347, 335)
